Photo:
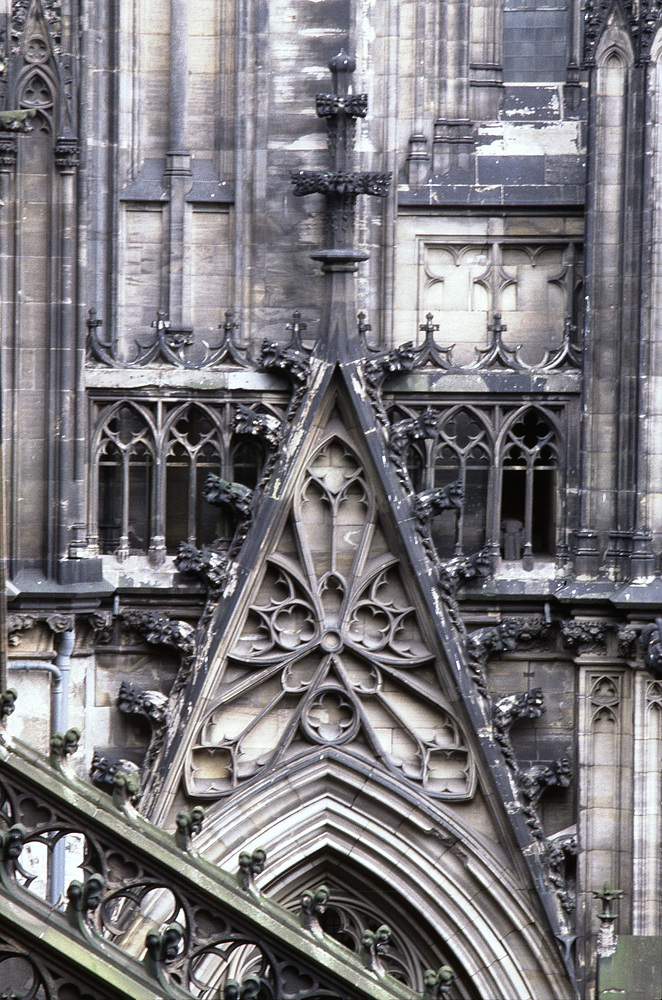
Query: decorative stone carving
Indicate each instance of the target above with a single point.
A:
(7, 704)
(52, 14)
(169, 347)
(375, 944)
(228, 351)
(161, 630)
(641, 20)
(340, 182)
(313, 905)
(63, 746)
(11, 843)
(478, 566)
(218, 929)
(607, 918)
(650, 643)
(539, 778)
(527, 705)
(237, 497)
(501, 638)
(103, 770)
(84, 898)
(438, 985)
(585, 636)
(341, 185)
(67, 154)
(262, 425)
(15, 122)
(326, 652)
(19, 623)
(60, 623)
(210, 563)
(247, 989)
(486, 642)
(8, 153)
(497, 355)
(353, 105)
(379, 369)
(163, 947)
(251, 865)
(188, 824)
(627, 638)
(126, 789)
(151, 704)
(430, 503)
(403, 434)
(101, 623)
(560, 849)
(290, 361)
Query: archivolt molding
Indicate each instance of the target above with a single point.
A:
(458, 880)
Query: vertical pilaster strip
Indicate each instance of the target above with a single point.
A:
(605, 793)
(647, 866)
(69, 499)
(7, 195)
(604, 236)
(178, 162)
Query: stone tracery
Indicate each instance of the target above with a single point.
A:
(325, 653)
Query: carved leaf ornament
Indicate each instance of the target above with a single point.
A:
(331, 653)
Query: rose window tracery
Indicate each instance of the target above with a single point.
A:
(331, 653)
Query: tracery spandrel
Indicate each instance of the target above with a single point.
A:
(331, 654)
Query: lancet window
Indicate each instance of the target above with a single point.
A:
(529, 486)
(510, 463)
(150, 462)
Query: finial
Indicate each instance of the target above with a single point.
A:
(341, 65)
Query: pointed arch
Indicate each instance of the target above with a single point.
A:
(455, 878)
(122, 492)
(530, 453)
(191, 449)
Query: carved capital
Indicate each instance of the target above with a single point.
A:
(585, 636)
(8, 153)
(67, 154)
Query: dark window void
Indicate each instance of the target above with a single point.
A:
(534, 42)
(247, 460)
(189, 518)
(529, 489)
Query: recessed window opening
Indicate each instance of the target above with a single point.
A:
(193, 452)
(529, 490)
(125, 490)
(247, 461)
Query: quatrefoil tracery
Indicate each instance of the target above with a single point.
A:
(331, 653)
